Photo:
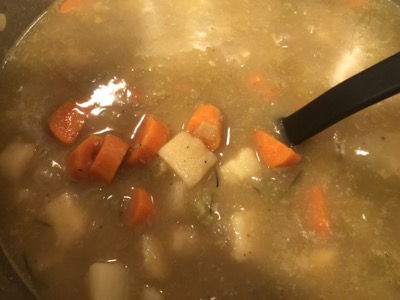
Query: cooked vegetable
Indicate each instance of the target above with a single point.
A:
(317, 216)
(245, 166)
(109, 281)
(206, 123)
(151, 135)
(67, 218)
(357, 4)
(67, 121)
(15, 159)
(70, 5)
(188, 157)
(273, 152)
(260, 86)
(242, 231)
(80, 159)
(141, 207)
(153, 258)
(109, 158)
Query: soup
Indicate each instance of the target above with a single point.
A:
(133, 147)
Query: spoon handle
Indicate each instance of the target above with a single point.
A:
(360, 91)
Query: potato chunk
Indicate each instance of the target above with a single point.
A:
(188, 157)
(67, 218)
(242, 224)
(15, 159)
(243, 167)
(108, 281)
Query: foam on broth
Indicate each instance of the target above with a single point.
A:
(257, 61)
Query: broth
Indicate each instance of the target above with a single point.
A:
(224, 238)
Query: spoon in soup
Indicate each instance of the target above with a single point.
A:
(368, 87)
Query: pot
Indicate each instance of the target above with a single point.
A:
(19, 14)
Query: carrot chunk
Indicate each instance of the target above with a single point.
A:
(70, 5)
(260, 86)
(151, 135)
(206, 123)
(109, 158)
(273, 152)
(79, 161)
(141, 207)
(67, 121)
(317, 212)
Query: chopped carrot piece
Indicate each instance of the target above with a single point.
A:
(151, 135)
(141, 207)
(317, 212)
(70, 5)
(357, 4)
(109, 158)
(67, 121)
(273, 152)
(81, 158)
(206, 124)
(262, 87)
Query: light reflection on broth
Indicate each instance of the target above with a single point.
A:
(245, 231)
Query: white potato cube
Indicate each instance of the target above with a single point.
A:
(242, 235)
(108, 281)
(67, 218)
(188, 157)
(184, 240)
(15, 159)
(244, 167)
(153, 260)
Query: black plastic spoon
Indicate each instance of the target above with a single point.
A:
(348, 97)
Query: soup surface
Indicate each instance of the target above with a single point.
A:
(321, 228)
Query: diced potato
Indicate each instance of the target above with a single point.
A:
(153, 260)
(175, 196)
(184, 240)
(67, 218)
(242, 237)
(108, 281)
(188, 157)
(15, 159)
(243, 167)
(150, 293)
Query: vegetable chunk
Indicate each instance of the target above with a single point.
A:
(67, 121)
(317, 212)
(243, 167)
(206, 124)
(67, 218)
(108, 281)
(109, 158)
(15, 159)
(80, 160)
(151, 135)
(153, 259)
(188, 157)
(141, 207)
(273, 152)
(242, 238)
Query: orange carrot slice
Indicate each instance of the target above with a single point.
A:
(317, 212)
(70, 5)
(356, 4)
(79, 161)
(273, 152)
(141, 207)
(67, 121)
(259, 85)
(109, 158)
(151, 135)
(206, 123)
